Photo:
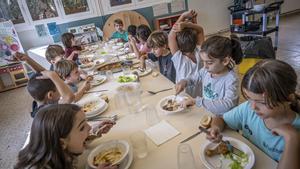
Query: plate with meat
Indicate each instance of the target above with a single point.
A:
(171, 104)
(221, 156)
(92, 106)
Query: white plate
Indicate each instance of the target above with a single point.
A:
(123, 146)
(144, 73)
(99, 112)
(209, 162)
(163, 102)
(99, 105)
(97, 80)
(88, 66)
(126, 163)
(128, 160)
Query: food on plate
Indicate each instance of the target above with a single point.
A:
(206, 121)
(123, 79)
(110, 66)
(237, 161)
(89, 107)
(171, 105)
(108, 156)
(222, 148)
(104, 97)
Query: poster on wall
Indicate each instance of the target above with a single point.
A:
(9, 40)
(119, 2)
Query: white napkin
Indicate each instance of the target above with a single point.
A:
(161, 132)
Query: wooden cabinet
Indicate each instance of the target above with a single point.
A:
(12, 76)
(165, 23)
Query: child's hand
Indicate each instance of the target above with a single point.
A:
(287, 131)
(180, 86)
(104, 127)
(89, 78)
(107, 166)
(187, 102)
(214, 135)
(189, 14)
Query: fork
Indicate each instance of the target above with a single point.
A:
(155, 92)
(230, 147)
(101, 118)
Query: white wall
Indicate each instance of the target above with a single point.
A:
(30, 38)
(213, 15)
(290, 5)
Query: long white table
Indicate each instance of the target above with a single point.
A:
(165, 155)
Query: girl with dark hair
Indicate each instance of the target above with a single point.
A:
(142, 32)
(219, 80)
(72, 49)
(58, 135)
(270, 117)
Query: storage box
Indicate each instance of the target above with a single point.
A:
(247, 63)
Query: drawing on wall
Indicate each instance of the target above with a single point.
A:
(41, 30)
(9, 40)
(119, 2)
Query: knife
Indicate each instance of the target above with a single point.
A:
(191, 137)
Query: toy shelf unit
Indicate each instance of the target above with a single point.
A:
(253, 19)
(12, 76)
(165, 23)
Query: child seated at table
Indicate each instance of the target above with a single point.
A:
(158, 42)
(54, 53)
(143, 32)
(219, 80)
(48, 88)
(72, 48)
(269, 86)
(68, 71)
(58, 136)
(185, 39)
(120, 34)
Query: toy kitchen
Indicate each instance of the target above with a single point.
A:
(85, 33)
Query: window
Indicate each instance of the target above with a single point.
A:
(72, 6)
(10, 10)
(41, 9)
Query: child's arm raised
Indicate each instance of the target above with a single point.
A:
(172, 35)
(196, 27)
(71, 56)
(65, 92)
(290, 156)
(133, 47)
(23, 57)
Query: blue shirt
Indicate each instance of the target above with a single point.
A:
(73, 87)
(166, 66)
(244, 118)
(118, 35)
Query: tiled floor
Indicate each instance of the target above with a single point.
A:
(15, 105)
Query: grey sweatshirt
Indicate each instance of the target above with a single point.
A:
(219, 94)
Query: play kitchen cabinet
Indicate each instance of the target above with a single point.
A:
(12, 76)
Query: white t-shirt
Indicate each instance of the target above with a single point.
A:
(185, 67)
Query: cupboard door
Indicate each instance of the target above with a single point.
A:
(10, 10)
(41, 9)
(75, 6)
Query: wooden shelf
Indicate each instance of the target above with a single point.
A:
(165, 22)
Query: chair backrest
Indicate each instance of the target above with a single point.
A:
(128, 18)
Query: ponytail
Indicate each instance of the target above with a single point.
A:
(236, 51)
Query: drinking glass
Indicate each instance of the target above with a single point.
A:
(139, 144)
(185, 157)
(152, 117)
(109, 75)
